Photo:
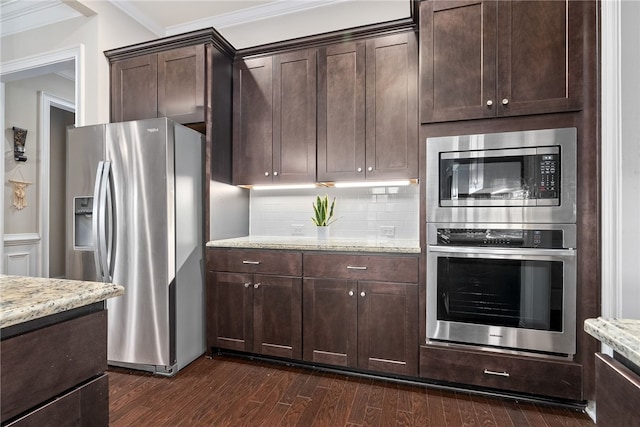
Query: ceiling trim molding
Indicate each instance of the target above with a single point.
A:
(142, 19)
(17, 17)
(253, 14)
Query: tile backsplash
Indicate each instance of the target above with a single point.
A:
(362, 213)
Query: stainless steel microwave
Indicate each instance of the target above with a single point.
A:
(508, 177)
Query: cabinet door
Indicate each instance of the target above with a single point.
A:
(388, 327)
(277, 316)
(341, 112)
(294, 117)
(230, 317)
(134, 88)
(458, 48)
(330, 321)
(392, 107)
(181, 87)
(252, 121)
(539, 56)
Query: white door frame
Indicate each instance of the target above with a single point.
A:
(47, 101)
(12, 70)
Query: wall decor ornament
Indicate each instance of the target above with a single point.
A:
(19, 140)
(19, 190)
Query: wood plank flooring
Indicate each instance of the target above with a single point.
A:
(228, 391)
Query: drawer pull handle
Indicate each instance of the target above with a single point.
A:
(246, 285)
(257, 285)
(496, 373)
(356, 267)
(251, 262)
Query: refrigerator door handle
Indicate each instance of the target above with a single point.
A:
(110, 225)
(99, 220)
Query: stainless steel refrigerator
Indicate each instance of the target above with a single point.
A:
(134, 217)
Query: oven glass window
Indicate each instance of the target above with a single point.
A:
(509, 293)
(488, 178)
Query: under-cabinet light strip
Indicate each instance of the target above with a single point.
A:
(345, 184)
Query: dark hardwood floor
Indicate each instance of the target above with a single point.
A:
(228, 391)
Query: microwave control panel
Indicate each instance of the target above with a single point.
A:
(549, 176)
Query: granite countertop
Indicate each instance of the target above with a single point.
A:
(28, 298)
(313, 244)
(622, 335)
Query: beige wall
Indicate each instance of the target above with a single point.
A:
(108, 29)
(22, 110)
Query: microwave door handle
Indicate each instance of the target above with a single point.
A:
(500, 251)
(454, 182)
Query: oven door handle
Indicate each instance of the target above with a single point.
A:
(501, 251)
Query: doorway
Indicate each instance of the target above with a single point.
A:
(59, 120)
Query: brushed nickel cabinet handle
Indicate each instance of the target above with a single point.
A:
(362, 294)
(246, 285)
(496, 373)
(489, 103)
(257, 285)
(359, 169)
(370, 168)
(350, 293)
(251, 262)
(275, 173)
(266, 174)
(505, 101)
(356, 267)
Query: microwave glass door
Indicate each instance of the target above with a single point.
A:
(524, 294)
(499, 177)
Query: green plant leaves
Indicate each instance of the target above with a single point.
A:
(323, 211)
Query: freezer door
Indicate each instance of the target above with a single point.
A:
(143, 244)
(85, 150)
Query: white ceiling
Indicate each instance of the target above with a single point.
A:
(243, 23)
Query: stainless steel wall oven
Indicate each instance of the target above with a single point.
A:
(502, 285)
(501, 241)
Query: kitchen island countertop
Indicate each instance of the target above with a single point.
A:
(27, 298)
(398, 246)
(622, 335)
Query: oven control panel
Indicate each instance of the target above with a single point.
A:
(548, 239)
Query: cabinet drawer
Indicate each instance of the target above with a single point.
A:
(362, 267)
(85, 406)
(39, 365)
(617, 393)
(255, 261)
(506, 372)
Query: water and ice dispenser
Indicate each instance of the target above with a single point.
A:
(82, 223)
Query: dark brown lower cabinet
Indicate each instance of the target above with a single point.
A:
(617, 393)
(256, 313)
(54, 375)
(366, 325)
(545, 377)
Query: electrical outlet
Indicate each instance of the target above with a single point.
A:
(297, 229)
(387, 230)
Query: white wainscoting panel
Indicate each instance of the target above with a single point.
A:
(21, 254)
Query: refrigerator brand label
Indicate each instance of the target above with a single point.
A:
(152, 130)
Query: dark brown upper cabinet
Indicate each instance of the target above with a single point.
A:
(368, 109)
(499, 58)
(274, 119)
(164, 84)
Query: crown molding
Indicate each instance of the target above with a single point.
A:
(142, 19)
(16, 17)
(253, 14)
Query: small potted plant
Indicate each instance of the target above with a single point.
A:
(323, 215)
